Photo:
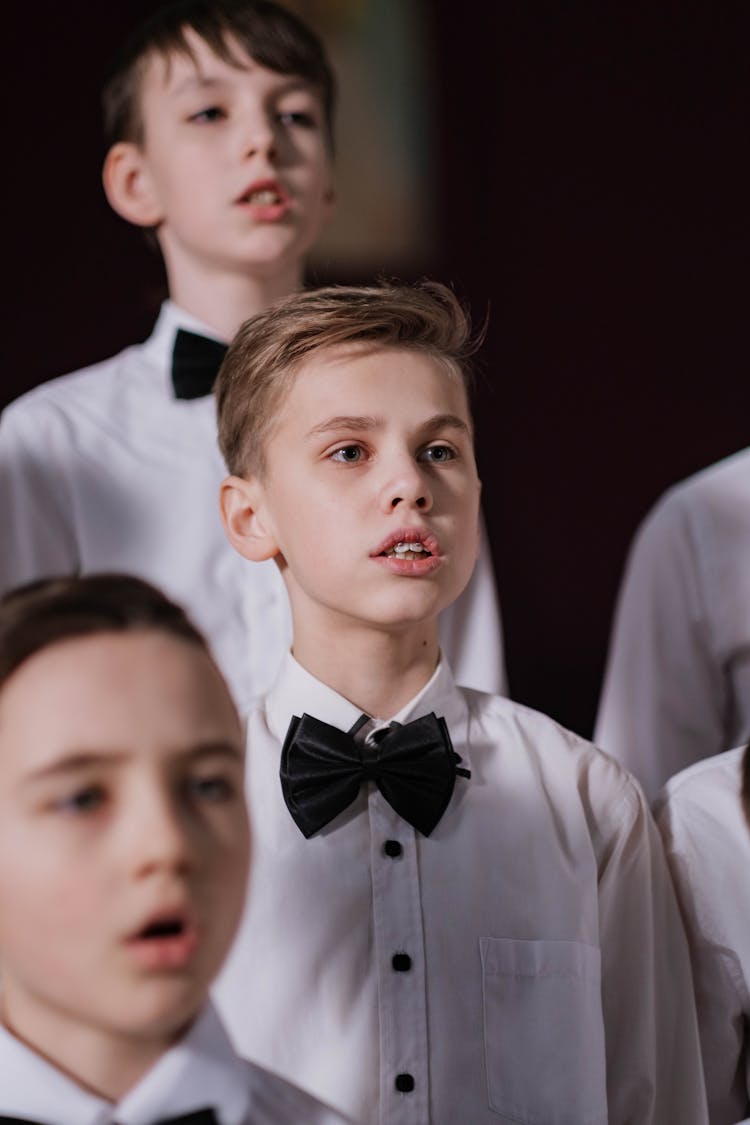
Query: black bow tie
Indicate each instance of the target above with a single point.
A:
(413, 766)
(197, 1117)
(195, 364)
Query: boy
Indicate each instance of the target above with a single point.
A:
(704, 817)
(475, 920)
(123, 861)
(677, 687)
(219, 119)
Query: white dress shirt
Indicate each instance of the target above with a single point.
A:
(677, 687)
(201, 1071)
(105, 470)
(708, 848)
(548, 978)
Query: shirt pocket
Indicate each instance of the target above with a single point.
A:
(544, 1032)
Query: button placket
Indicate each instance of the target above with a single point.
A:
(400, 954)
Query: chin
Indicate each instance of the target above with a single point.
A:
(163, 1010)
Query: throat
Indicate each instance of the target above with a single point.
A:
(379, 671)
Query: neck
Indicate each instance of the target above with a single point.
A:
(224, 300)
(107, 1064)
(376, 670)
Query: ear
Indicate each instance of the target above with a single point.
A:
(240, 503)
(329, 203)
(128, 185)
(481, 529)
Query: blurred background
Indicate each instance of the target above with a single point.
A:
(579, 172)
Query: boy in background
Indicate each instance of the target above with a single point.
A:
(124, 849)
(677, 682)
(704, 817)
(219, 116)
(460, 911)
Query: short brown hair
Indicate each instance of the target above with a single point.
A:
(266, 353)
(42, 613)
(272, 35)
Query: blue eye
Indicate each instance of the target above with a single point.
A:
(438, 453)
(348, 454)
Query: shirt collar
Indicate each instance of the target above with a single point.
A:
(297, 691)
(34, 1088)
(201, 1070)
(157, 350)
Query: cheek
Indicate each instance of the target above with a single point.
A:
(40, 898)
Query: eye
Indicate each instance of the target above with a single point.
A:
(85, 800)
(297, 117)
(348, 454)
(209, 114)
(438, 453)
(213, 789)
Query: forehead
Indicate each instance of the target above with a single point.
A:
(391, 380)
(143, 689)
(170, 71)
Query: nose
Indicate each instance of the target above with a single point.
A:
(259, 136)
(157, 836)
(407, 488)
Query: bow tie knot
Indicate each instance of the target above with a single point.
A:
(371, 770)
(323, 768)
(195, 364)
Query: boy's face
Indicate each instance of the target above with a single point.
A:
(123, 838)
(235, 161)
(372, 448)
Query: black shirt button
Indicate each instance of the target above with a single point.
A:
(404, 1083)
(401, 962)
(393, 849)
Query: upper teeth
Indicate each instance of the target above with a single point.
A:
(264, 196)
(402, 548)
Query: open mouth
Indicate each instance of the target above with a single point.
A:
(164, 928)
(264, 193)
(407, 550)
(263, 197)
(166, 942)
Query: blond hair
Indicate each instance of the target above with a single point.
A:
(265, 355)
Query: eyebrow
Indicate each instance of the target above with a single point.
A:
(360, 423)
(210, 82)
(80, 761)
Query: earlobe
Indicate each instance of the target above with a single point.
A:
(128, 185)
(240, 504)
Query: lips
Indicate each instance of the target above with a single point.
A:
(266, 199)
(409, 552)
(167, 940)
(408, 543)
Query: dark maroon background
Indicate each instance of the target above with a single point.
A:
(592, 193)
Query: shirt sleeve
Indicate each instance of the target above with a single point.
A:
(720, 987)
(471, 632)
(654, 1072)
(37, 533)
(664, 695)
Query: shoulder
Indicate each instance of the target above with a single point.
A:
(704, 799)
(66, 393)
(275, 1101)
(565, 766)
(707, 844)
(707, 492)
